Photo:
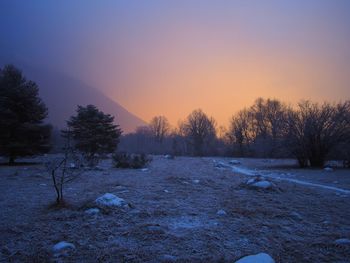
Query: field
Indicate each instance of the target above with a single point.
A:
(172, 213)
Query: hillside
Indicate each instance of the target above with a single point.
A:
(62, 94)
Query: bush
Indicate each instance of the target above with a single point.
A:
(134, 161)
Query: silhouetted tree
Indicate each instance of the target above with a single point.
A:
(159, 126)
(200, 131)
(314, 130)
(240, 133)
(259, 129)
(269, 126)
(22, 132)
(93, 132)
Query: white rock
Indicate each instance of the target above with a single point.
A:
(144, 169)
(251, 181)
(166, 191)
(262, 184)
(220, 165)
(63, 245)
(328, 169)
(296, 216)
(196, 181)
(234, 162)
(221, 212)
(110, 200)
(342, 241)
(169, 157)
(92, 211)
(258, 258)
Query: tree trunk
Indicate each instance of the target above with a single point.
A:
(11, 160)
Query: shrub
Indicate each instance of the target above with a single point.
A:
(134, 161)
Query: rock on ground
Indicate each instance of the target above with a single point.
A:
(110, 200)
(234, 162)
(296, 216)
(92, 211)
(220, 165)
(63, 245)
(342, 241)
(259, 182)
(221, 212)
(258, 258)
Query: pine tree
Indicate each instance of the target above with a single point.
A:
(22, 132)
(94, 132)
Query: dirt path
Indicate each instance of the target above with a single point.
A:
(277, 175)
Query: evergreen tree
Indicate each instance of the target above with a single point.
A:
(22, 132)
(93, 132)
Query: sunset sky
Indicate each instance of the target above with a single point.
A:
(170, 57)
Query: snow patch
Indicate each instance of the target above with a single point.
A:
(244, 171)
(262, 184)
(249, 172)
(258, 258)
(189, 222)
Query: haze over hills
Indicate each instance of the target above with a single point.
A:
(62, 94)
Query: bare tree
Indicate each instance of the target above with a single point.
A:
(315, 130)
(200, 130)
(259, 128)
(160, 127)
(269, 124)
(240, 133)
(64, 169)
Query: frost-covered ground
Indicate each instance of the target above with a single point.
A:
(173, 215)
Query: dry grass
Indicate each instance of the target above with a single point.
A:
(172, 217)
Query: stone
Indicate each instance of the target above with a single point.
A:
(258, 258)
(296, 215)
(61, 246)
(342, 241)
(92, 211)
(110, 200)
(221, 212)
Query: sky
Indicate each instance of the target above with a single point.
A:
(171, 57)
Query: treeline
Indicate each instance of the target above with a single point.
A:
(311, 132)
